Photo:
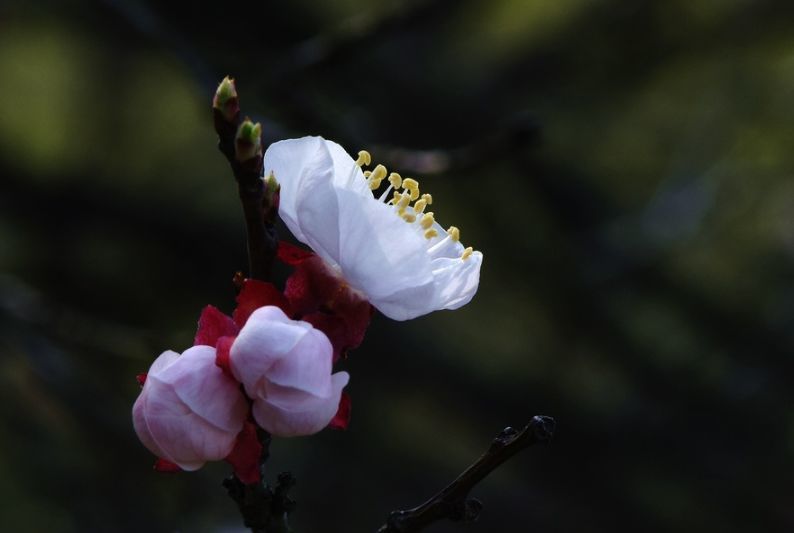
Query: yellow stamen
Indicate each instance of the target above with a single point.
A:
(410, 183)
(375, 177)
(378, 173)
(363, 158)
(412, 186)
(402, 199)
(427, 220)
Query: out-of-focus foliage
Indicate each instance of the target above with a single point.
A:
(626, 167)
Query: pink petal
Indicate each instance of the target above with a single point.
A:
(142, 428)
(304, 417)
(267, 336)
(205, 389)
(307, 367)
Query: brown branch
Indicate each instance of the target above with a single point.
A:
(264, 509)
(259, 208)
(453, 502)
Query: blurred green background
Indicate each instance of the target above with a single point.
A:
(625, 167)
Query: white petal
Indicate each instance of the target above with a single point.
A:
(347, 175)
(288, 161)
(379, 255)
(456, 280)
(327, 205)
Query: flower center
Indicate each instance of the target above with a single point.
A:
(406, 191)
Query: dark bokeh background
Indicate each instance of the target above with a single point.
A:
(625, 166)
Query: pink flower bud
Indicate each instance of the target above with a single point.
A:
(189, 412)
(285, 367)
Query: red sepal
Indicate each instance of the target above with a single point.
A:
(165, 466)
(291, 254)
(245, 455)
(222, 354)
(141, 378)
(256, 294)
(324, 300)
(311, 286)
(342, 417)
(212, 325)
(346, 332)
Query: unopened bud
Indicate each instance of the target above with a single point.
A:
(272, 187)
(271, 198)
(225, 99)
(248, 141)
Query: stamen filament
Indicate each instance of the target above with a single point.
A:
(382, 197)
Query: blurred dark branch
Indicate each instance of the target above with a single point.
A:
(520, 132)
(148, 22)
(453, 502)
(362, 31)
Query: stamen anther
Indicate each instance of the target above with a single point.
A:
(395, 180)
(429, 234)
(412, 186)
(409, 217)
(427, 221)
(454, 233)
(467, 253)
(419, 206)
(376, 176)
(428, 198)
(363, 158)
